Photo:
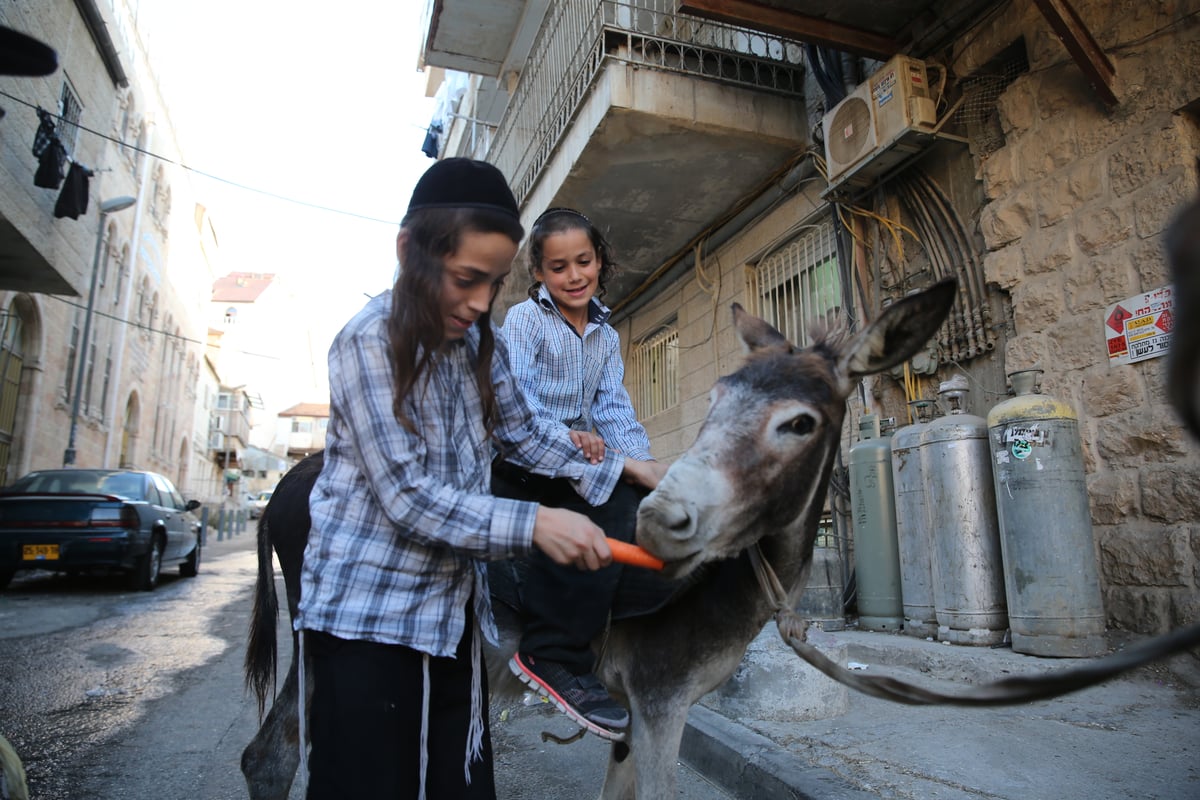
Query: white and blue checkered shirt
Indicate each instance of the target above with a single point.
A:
(402, 522)
(576, 380)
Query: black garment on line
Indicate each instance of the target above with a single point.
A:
(431, 144)
(49, 173)
(45, 133)
(73, 200)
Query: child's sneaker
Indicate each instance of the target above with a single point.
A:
(581, 697)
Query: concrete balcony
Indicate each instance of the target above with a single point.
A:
(654, 123)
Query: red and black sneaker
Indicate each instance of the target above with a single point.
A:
(581, 697)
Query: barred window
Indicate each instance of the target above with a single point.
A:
(70, 109)
(653, 372)
(798, 284)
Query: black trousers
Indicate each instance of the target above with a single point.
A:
(366, 722)
(566, 607)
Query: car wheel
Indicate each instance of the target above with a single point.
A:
(6, 576)
(145, 572)
(190, 568)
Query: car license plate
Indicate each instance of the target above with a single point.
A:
(39, 552)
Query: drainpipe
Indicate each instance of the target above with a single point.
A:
(679, 265)
(117, 427)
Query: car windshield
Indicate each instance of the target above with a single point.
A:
(121, 484)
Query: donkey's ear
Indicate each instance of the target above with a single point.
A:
(757, 334)
(899, 332)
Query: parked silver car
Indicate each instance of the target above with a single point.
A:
(259, 504)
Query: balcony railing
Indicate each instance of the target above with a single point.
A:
(577, 37)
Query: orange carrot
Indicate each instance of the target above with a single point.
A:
(632, 555)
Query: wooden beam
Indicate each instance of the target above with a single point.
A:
(793, 25)
(1078, 40)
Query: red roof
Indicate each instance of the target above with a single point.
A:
(306, 410)
(241, 287)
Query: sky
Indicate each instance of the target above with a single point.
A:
(319, 103)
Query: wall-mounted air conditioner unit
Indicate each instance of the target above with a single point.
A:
(880, 124)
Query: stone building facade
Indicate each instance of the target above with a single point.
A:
(152, 261)
(1078, 199)
(1046, 202)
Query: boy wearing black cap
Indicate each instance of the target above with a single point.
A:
(394, 594)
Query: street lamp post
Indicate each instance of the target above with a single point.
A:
(106, 208)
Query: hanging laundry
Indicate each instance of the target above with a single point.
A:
(430, 145)
(73, 200)
(45, 133)
(50, 166)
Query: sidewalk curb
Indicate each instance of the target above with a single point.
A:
(752, 767)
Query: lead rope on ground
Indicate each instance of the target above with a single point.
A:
(1009, 691)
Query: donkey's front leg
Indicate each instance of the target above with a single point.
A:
(655, 731)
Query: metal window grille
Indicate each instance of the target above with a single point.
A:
(798, 286)
(654, 372)
(71, 111)
(108, 369)
(72, 354)
(88, 378)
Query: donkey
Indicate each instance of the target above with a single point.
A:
(757, 473)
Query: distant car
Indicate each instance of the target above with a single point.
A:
(259, 503)
(71, 520)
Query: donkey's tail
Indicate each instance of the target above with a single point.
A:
(261, 654)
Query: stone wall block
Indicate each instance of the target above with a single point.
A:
(1054, 248)
(1004, 267)
(1018, 106)
(1147, 259)
(1006, 220)
(1154, 208)
(1111, 276)
(1113, 496)
(1132, 555)
(1025, 351)
(1103, 228)
(1074, 344)
(1171, 493)
(1038, 304)
(1109, 390)
(998, 172)
(1141, 160)
(1154, 377)
(1195, 537)
(1136, 437)
(1136, 609)
(1083, 291)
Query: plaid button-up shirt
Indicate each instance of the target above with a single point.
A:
(402, 522)
(576, 380)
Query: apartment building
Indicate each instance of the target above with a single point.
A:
(106, 258)
(816, 161)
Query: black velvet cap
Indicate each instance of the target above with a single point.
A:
(464, 183)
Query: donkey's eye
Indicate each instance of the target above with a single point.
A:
(801, 425)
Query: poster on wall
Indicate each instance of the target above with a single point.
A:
(1139, 327)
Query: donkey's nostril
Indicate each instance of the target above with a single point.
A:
(681, 521)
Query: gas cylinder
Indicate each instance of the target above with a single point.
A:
(821, 602)
(1054, 600)
(873, 509)
(915, 546)
(967, 566)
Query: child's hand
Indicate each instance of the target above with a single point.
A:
(591, 445)
(644, 473)
(569, 537)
